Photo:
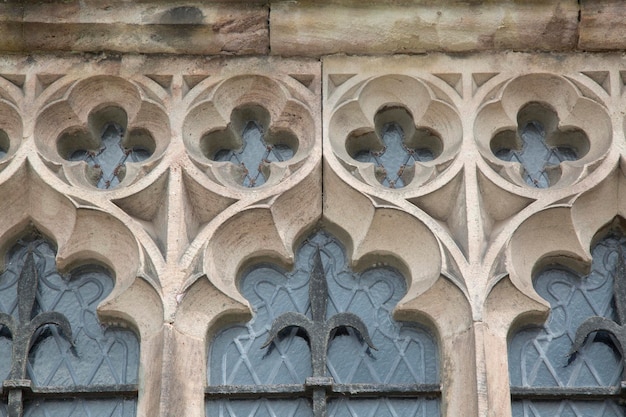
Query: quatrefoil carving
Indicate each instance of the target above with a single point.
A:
(10, 132)
(539, 145)
(394, 131)
(395, 146)
(108, 147)
(104, 132)
(251, 131)
(249, 146)
(540, 130)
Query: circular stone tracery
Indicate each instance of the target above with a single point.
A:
(393, 131)
(542, 132)
(101, 131)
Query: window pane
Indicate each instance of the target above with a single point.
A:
(259, 408)
(541, 357)
(383, 407)
(98, 356)
(406, 353)
(529, 408)
(81, 408)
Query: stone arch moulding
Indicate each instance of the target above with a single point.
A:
(85, 235)
(385, 236)
(568, 116)
(221, 111)
(77, 113)
(430, 126)
(11, 125)
(562, 234)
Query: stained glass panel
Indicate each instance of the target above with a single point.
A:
(536, 155)
(259, 408)
(395, 157)
(111, 157)
(527, 408)
(81, 408)
(383, 407)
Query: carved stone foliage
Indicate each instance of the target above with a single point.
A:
(541, 131)
(394, 130)
(102, 132)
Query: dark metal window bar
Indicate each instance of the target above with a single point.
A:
(319, 388)
(18, 387)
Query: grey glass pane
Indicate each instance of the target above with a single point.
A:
(5, 353)
(81, 408)
(566, 408)
(254, 154)
(236, 356)
(3, 409)
(111, 158)
(406, 354)
(383, 407)
(100, 355)
(259, 408)
(535, 155)
(539, 357)
(395, 157)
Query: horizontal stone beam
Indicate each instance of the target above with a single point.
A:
(313, 28)
(193, 27)
(602, 25)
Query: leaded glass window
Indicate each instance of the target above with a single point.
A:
(572, 365)
(57, 359)
(323, 342)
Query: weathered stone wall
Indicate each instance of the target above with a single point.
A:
(311, 28)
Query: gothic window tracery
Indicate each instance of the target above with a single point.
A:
(58, 360)
(569, 367)
(322, 342)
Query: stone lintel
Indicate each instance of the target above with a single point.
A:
(602, 25)
(195, 27)
(308, 28)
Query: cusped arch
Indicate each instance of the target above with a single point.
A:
(563, 235)
(77, 118)
(90, 236)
